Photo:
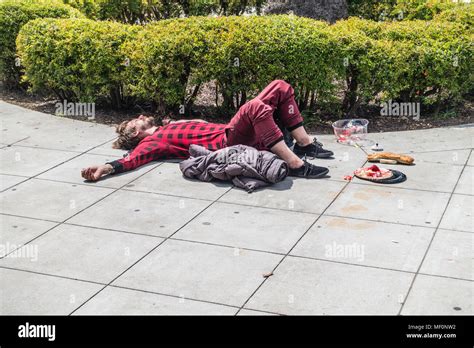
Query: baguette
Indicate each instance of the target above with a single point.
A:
(403, 159)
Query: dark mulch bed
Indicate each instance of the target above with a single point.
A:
(315, 122)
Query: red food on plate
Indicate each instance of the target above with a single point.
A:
(373, 172)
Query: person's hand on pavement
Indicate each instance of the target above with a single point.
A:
(94, 173)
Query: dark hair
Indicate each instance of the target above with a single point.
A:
(126, 140)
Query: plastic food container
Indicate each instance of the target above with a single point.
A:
(350, 131)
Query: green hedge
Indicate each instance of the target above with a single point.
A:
(14, 14)
(421, 9)
(380, 10)
(171, 59)
(174, 58)
(463, 15)
(163, 58)
(76, 59)
(352, 62)
(426, 61)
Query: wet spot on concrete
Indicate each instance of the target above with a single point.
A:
(354, 208)
(361, 195)
(351, 224)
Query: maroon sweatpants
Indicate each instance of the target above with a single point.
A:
(256, 122)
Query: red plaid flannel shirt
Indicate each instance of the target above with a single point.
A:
(173, 141)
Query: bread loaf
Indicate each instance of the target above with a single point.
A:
(376, 157)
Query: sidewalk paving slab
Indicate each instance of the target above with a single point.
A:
(451, 254)
(107, 150)
(369, 243)
(303, 287)
(68, 171)
(28, 161)
(248, 227)
(83, 253)
(34, 129)
(434, 139)
(346, 158)
(119, 301)
(7, 181)
(470, 161)
(433, 177)
(26, 293)
(456, 157)
(141, 212)
(16, 231)
(271, 257)
(390, 204)
(439, 296)
(464, 185)
(249, 312)
(459, 215)
(294, 194)
(200, 271)
(168, 179)
(49, 200)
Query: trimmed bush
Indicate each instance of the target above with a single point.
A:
(441, 56)
(79, 60)
(362, 61)
(463, 15)
(13, 15)
(358, 60)
(381, 10)
(421, 9)
(242, 54)
(163, 58)
(256, 50)
(409, 60)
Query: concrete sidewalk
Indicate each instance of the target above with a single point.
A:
(153, 242)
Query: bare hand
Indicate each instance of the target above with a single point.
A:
(94, 173)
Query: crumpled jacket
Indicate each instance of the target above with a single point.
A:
(245, 166)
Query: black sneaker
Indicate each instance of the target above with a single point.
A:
(313, 150)
(308, 170)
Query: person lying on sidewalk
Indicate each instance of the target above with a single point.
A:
(259, 123)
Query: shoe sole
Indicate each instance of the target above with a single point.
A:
(321, 175)
(318, 176)
(312, 157)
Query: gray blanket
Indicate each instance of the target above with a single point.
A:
(245, 166)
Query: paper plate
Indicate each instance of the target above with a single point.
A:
(396, 178)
